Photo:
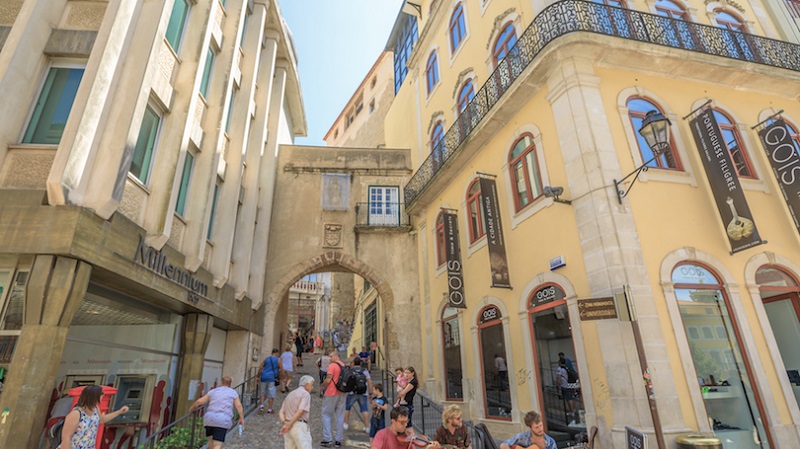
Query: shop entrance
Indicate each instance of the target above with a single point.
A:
(556, 368)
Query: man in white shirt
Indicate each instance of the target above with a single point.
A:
(294, 416)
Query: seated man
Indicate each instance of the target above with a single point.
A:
(396, 436)
(534, 438)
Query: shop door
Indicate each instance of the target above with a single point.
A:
(557, 370)
(384, 206)
(496, 387)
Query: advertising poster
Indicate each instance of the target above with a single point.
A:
(721, 173)
(494, 234)
(785, 163)
(455, 277)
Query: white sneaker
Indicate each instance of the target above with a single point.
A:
(366, 430)
(346, 426)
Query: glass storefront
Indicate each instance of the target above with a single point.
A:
(781, 296)
(451, 335)
(557, 370)
(723, 375)
(497, 394)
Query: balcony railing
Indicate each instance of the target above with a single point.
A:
(572, 16)
(794, 8)
(381, 214)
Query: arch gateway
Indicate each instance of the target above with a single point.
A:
(325, 219)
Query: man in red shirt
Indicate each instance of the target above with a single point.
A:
(390, 437)
(333, 404)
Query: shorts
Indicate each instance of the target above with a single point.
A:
(376, 424)
(267, 389)
(216, 433)
(356, 398)
(567, 393)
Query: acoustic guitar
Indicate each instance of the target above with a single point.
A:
(739, 227)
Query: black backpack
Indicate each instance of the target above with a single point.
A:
(572, 375)
(352, 380)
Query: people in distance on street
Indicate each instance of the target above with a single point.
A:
(397, 435)
(353, 353)
(365, 358)
(379, 406)
(81, 424)
(217, 420)
(562, 380)
(408, 392)
(401, 385)
(294, 415)
(453, 431)
(323, 362)
(534, 437)
(359, 397)
(270, 375)
(318, 344)
(567, 361)
(287, 368)
(298, 343)
(502, 371)
(333, 403)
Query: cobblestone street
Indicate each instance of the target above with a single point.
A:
(261, 431)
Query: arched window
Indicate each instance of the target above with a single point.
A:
(437, 143)
(465, 95)
(637, 109)
(731, 399)
(554, 358)
(733, 140)
(441, 253)
(496, 391)
(475, 212)
(781, 296)
(617, 3)
(451, 340)
(673, 10)
(729, 21)
(432, 71)
(505, 41)
(457, 27)
(524, 167)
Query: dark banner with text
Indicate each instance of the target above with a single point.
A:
(724, 180)
(455, 278)
(494, 234)
(785, 163)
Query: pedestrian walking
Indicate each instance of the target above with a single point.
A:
(453, 431)
(298, 343)
(294, 415)
(534, 437)
(218, 418)
(323, 362)
(360, 396)
(270, 372)
(81, 424)
(287, 368)
(333, 403)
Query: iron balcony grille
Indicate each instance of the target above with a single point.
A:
(571, 16)
(381, 214)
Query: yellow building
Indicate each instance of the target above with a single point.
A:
(543, 101)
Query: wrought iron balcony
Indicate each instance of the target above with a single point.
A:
(381, 215)
(572, 16)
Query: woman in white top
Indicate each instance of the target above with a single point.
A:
(287, 368)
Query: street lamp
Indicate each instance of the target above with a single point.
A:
(655, 130)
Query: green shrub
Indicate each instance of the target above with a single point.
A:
(181, 437)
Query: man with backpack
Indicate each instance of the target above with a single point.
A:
(270, 371)
(361, 386)
(333, 401)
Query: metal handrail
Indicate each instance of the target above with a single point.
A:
(381, 214)
(188, 432)
(570, 16)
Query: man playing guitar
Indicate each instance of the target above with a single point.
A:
(534, 438)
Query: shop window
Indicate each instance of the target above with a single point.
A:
(637, 109)
(733, 140)
(504, 43)
(525, 176)
(557, 368)
(451, 338)
(145, 145)
(441, 254)
(177, 23)
(53, 105)
(458, 29)
(496, 387)
(732, 403)
(781, 296)
(207, 69)
(432, 72)
(475, 212)
(186, 180)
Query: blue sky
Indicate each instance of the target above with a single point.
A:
(337, 41)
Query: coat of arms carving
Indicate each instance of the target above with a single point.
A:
(332, 237)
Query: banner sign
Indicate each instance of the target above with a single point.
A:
(455, 279)
(724, 181)
(597, 309)
(546, 295)
(785, 163)
(494, 234)
(489, 314)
